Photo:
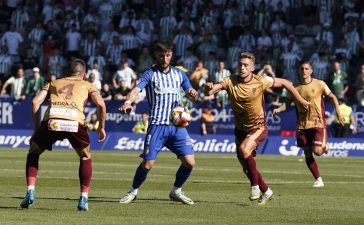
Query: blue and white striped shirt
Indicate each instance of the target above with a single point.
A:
(163, 92)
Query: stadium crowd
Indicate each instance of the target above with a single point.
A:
(115, 37)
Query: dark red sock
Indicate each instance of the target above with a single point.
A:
(85, 174)
(312, 166)
(252, 170)
(31, 169)
(262, 185)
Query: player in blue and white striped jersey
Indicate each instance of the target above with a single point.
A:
(162, 83)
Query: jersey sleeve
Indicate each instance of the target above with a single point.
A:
(46, 87)
(144, 80)
(267, 82)
(186, 84)
(325, 89)
(92, 88)
(225, 82)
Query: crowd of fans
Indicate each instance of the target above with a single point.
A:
(115, 38)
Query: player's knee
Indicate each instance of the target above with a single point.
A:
(189, 164)
(147, 165)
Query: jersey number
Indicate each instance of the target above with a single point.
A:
(67, 90)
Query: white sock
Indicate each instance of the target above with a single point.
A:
(319, 179)
(255, 188)
(31, 187)
(176, 189)
(268, 192)
(133, 191)
(84, 194)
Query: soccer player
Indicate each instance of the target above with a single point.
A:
(245, 91)
(64, 119)
(162, 83)
(311, 123)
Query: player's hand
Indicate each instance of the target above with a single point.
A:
(126, 107)
(341, 119)
(192, 93)
(209, 86)
(275, 111)
(102, 134)
(305, 104)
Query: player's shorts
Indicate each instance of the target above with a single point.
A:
(45, 137)
(312, 137)
(175, 139)
(258, 135)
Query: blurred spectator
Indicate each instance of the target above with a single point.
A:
(36, 37)
(261, 18)
(206, 46)
(12, 39)
(182, 41)
(121, 90)
(207, 122)
(5, 63)
(189, 61)
(167, 25)
(73, 41)
(144, 28)
(89, 45)
(56, 63)
(99, 59)
(92, 79)
(130, 43)
(107, 36)
(211, 65)
(106, 93)
(17, 86)
(113, 53)
(233, 55)
(289, 61)
(142, 125)
(93, 123)
(321, 66)
(20, 17)
(35, 83)
(338, 81)
(5, 13)
(346, 111)
(325, 36)
(360, 86)
(199, 72)
(29, 61)
(233, 33)
(124, 73)
(145, 60)
(247, 40)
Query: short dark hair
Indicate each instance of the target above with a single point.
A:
(77, 67)
(163, 46)
(247, 55)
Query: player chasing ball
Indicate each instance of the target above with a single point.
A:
(245, 92)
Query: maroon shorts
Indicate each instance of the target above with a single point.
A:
(258, 135)
(312, 137)
(45, 138)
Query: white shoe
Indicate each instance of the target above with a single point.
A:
(268, 195)
(255, 193)
(180, 197)
(128, 197)
(318, 183)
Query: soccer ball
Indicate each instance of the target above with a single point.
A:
(180, 116)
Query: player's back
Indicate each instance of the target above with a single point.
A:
(68, 97)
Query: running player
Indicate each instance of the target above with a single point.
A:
(311, 123)
(64, 119)
(163, 83)
(247, 101)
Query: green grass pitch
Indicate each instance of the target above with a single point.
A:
(217, 186)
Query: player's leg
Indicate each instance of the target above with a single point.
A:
(312, 165)
(80, 141)
(154, 141)
(31, 174)
(180, 144)
(41, 140)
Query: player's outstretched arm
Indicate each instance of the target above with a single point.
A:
(279, 82)
(36, 103)
(211, 88)
(127, 107)
(101, 111)
(335, 102)
(281, 108)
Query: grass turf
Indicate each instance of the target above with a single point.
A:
(217, 186)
